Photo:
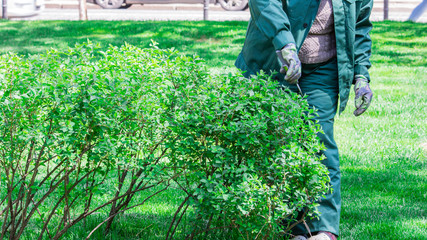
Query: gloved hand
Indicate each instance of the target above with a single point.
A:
(292, 65)
(364, 94)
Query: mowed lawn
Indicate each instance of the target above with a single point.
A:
(383, 152)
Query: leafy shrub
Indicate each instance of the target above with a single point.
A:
(81, 130)
(251, 152)
(84, 130)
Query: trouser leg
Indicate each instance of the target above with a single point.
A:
(320, 83)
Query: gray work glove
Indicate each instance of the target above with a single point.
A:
(292, 65)
(364, 94)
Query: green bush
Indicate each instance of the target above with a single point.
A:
(84, 130)
(81, 130)
(252, 155)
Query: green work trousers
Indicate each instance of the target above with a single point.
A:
(320, 83)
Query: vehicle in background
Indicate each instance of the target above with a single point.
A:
(230, 5)
(22, 8)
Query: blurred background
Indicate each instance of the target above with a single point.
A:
(218, 10)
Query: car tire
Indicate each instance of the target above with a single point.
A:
(110, 4)
(234, 5)
(126, 6)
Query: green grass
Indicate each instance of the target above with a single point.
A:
(383, 152)
(216, 42)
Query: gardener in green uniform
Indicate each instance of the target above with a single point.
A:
(325, 46)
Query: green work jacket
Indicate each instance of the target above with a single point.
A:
(275, 23)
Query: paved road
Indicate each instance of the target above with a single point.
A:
(192, 12)
(67, 10)
(140, 15)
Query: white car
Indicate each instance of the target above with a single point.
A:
(230, 5)
(22, 8)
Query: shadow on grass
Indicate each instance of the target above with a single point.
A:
(214, 41)
(399, 43)
(403, 30)
(385, 203)
(141, 226)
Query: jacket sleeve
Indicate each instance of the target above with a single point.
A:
(363, 43)
(272, 21)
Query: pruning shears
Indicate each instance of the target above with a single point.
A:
(285, 68)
